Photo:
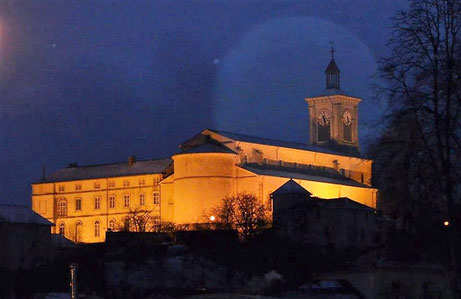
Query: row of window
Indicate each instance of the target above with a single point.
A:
(111, 184)
(97, 227)
(62, 202)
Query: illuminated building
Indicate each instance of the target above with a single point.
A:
(211, 165)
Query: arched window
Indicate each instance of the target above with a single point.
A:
(62, 207)
(62, 228)
(142, 199)
(112, 224)
(78, 231)
(97, 228)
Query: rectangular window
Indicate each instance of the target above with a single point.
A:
(111, 201)
(97, 185)
(126, 200)
(61, 188)
(111, 184)
(97, 203)
(126, 183)
(62, 207)
(78, 204)
(156, 196)
(156, 220)
(142, 182)
(78, 187)
(142, 199)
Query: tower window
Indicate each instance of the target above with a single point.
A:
(323, 132)
(347, 132)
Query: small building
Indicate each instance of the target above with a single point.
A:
(24, 237)
(337, 222)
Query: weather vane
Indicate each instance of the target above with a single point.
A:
(332, 51)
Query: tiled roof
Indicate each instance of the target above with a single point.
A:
(108, 170)
(313, 175)
(275, 142)
(21, 214)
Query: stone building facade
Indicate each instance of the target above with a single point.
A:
(209, 166)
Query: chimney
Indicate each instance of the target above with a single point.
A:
(131, 160)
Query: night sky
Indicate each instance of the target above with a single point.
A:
(96, 81)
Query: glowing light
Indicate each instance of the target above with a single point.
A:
(446, 223)
(212, 218)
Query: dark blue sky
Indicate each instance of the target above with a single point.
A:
(97, 81)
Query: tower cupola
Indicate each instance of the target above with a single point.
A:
(332, 73)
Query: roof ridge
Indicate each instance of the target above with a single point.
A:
(114, 163)
(246, 135)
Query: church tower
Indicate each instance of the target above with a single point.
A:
(333, 115)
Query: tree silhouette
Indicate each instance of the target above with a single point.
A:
(244, 212)
(420, 149)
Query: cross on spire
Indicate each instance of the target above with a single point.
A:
(332, 51)
(332, 72)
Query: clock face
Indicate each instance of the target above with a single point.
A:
(324, 118)
(347, 118)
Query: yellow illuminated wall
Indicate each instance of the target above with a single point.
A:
(198, 184)
(80, 220)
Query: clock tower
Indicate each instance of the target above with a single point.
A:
(333, 115)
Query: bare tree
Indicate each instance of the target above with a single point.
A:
(423, 74)
(244, 212)
(140, 220)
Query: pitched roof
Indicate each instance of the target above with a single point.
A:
(311, 175)
(275, 142)
(108, 170)
(343, 202)
(210, 146)
(21, 214)
(332, 67)
(291, 187)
